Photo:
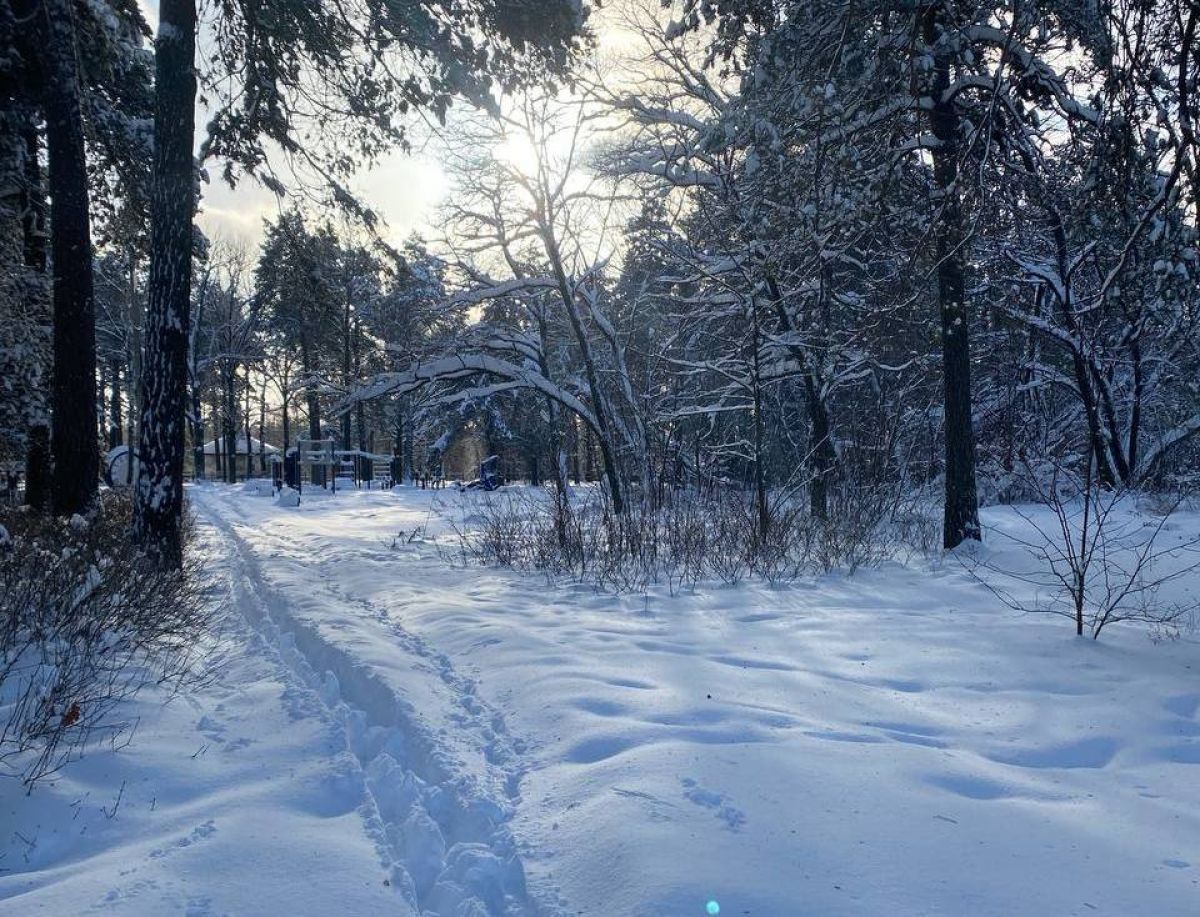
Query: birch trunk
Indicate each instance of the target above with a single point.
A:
(158, 511)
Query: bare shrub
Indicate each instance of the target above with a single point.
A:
(687, 538)
(1098, 559)
(85, 622)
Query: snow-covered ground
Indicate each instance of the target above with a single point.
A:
(392, 734)
(237, 798)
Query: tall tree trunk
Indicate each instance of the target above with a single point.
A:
(575, 447)
(73, 439)
(229, 412)
(33, 224)
(1083, 380)
(562, 491)
(599, 406)
(408, 446)
(822, 457)
(102, 389)
(16, 357)
(135, 317)
(135, 320)
(314, 405)
(589, 455)
(197, 404)
(760, 477)
(961, 519)
(262, 427)
(159, 506)
(285, 395)
(115, 411)
(360, 417)
(346, 418)
(198, 462)
(218, 439)
(246, 402)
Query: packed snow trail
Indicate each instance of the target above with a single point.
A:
(440, 795)
(893, 743)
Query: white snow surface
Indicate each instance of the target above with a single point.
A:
(392, 734)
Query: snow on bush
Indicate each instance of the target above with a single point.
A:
(85, 621)
(688, 539)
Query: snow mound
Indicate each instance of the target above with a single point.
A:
(288, 497)
(258, 487)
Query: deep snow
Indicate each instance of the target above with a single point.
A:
(894, 743)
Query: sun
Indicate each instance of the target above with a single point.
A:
(517, 150)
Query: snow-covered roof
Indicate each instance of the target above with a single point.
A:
(210, 447)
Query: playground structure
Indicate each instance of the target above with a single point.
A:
(489, 475)
(328, 468)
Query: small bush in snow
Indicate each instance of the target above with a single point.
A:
(1093, 554)
(85, 622)
(689, 538)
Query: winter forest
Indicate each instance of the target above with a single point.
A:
(519, 458)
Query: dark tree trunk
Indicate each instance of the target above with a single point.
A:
(314, 414)
(1132, 452)
(405, 443)
(360, 417)
(198, 463)
(311, 397)
(262, 428)
(102, 388)
(346, 357)
(116, 434)
(961, 519)
(37, 470)
(287, 421)
(762, 507)
(822, 457)
(246, 426)
(197, 403)
(218, 448)
(229, 412)
(135, 316)
(1083, 380)
(589, 455)
(159, 506)
(575, 446)
(599, 407)
(73, 438)
(314, 406)
(37, 456)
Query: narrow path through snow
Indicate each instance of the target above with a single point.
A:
(442, 792)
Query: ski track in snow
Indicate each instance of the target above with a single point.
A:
(440, 824)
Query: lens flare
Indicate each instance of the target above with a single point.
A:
(713, 908)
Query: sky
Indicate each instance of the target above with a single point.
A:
(404, 189)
